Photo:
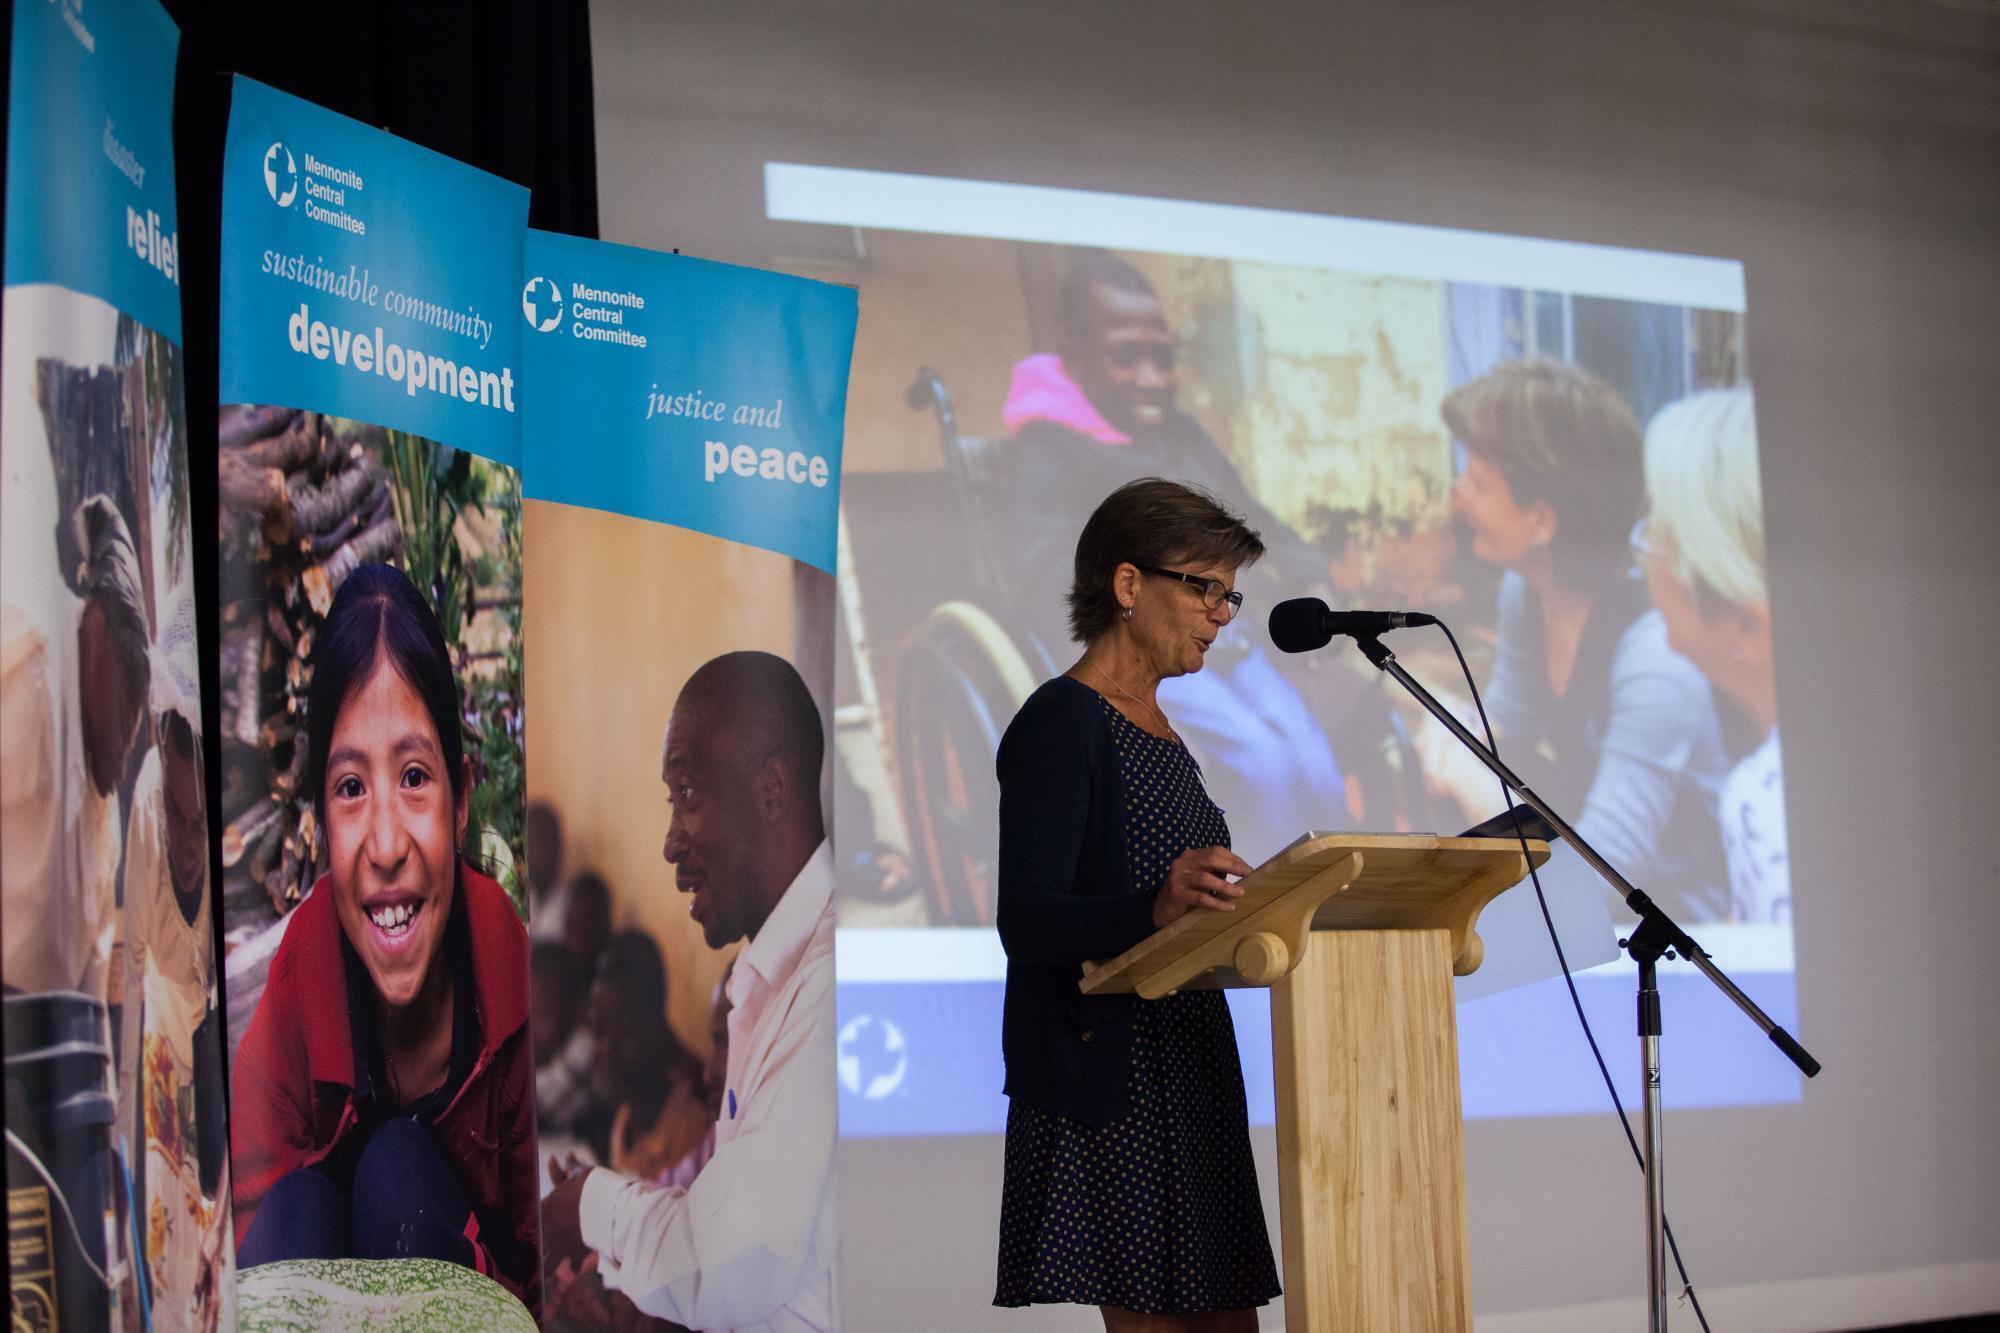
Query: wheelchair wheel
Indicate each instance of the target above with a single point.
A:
(960, 682)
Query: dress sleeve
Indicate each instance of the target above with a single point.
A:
(1046, 803)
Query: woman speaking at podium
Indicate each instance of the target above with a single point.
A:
(1129, 1183)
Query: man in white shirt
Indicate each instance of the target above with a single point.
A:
(750, 1244)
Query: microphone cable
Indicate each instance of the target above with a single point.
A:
(1610, 1085)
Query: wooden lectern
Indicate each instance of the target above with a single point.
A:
(1358, 937)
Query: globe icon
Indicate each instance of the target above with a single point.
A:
(541, 302)
(281, 175)
(873, 1057)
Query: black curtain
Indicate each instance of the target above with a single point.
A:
(501, 84)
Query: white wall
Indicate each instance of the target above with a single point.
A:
(1849, 154)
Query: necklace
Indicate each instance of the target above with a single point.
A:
(1105, 676)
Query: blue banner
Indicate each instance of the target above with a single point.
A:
(90, 138)
(368, 278)
(687, 392)
(107, 913)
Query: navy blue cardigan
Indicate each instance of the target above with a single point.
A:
(1066, 897)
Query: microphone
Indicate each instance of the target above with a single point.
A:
(1304, 623)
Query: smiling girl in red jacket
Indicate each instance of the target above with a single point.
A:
(383, 1094)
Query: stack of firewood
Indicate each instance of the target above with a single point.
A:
(305, 499)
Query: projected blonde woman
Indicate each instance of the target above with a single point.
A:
(1702, 549)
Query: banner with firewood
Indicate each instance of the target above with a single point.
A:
(117, 1181)
(682, 424)
(373, 896)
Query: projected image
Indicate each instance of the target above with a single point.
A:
(1473, 451)
(1563, 472)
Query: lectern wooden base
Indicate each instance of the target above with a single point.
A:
(1372, 1187)
(1358, 936)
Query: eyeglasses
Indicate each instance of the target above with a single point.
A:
(1214, 592)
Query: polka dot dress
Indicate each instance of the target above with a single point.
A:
(1157, 1212)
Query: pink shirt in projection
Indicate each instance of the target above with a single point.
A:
(750, 1244)
(1042, 390)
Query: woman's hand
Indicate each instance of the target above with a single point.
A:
(1196, 880)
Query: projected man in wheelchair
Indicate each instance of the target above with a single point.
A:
(1101, 412)
(1079, 422)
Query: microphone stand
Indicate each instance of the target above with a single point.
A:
(1658, 936)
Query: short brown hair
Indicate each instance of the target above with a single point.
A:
(1151, 521)
(1560, 435)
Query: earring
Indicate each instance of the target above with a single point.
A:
(1128, 613)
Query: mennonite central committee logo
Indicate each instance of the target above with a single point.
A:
(873, 1057)
(541, 302)
(281, 175)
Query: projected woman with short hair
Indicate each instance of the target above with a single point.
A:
(1129, 1183)
(383, 1095)
(1702, 550)
(1588, 699)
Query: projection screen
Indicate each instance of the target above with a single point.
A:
(1596, 545)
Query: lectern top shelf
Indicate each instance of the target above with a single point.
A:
(1338, 881)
